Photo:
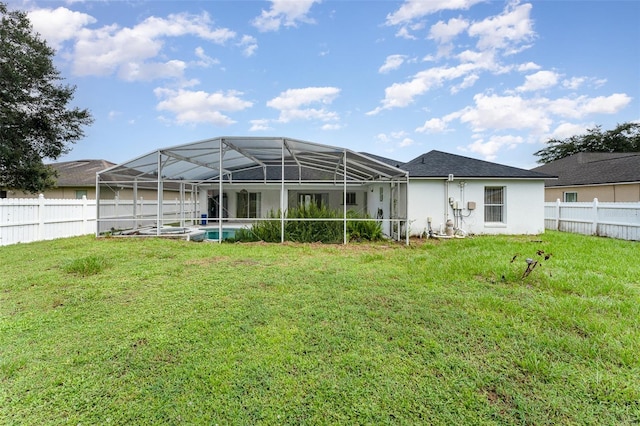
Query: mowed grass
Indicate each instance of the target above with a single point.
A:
(150, 331)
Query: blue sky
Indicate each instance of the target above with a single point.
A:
(486, 79)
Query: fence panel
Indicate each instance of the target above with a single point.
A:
(23, 220)
(614, 220)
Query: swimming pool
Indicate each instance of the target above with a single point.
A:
(214, 233)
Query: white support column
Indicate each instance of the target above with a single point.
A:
(344, 198)
(159, 196)
(406, 207)
(182, 204)
(97, 205)
(220, 189)
(282, 192)
(135, 203)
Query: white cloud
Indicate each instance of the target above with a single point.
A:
(406, 142)
(133, 71)
(260, 125)
(488, 149)
(566, 130)
(574, 83)
(402, 94)
(249, 45)
(129, 52)
(433, 125)
(194, 107)
(506, 112)
(582, 106)
(205, 60)
(58, 25)
(284, 12)
(444, 33)
(539, 81)
(293, 104)
(392, 62)
(507, 31)
(416, 9)
(529, 66)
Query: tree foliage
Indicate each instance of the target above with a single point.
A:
(624, 138)
(35, 121)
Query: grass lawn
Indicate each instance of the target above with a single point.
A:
(151, 331)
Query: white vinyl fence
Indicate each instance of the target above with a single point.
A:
(24, 220)
(614, 220)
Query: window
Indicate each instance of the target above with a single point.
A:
(308, 199)
(80, 193)
(351, 198)
(494, 204)
(248, 204)
(570, 197)
(3, 194)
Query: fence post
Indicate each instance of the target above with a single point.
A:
(594, 229)
(41, 206)
(557, 214)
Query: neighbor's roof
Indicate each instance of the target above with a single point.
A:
(437, 164)
(592, 168)
(253, 158)
(79, 173)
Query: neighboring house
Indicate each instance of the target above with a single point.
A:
(75, 180)
(255, 176)
(609, 177)
(480, 197)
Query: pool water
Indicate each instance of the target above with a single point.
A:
(214, 234)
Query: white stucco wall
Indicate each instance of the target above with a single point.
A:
(524, 205)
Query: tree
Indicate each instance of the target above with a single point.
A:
(35, 121)
(624, 138)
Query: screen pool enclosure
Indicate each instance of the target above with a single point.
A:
(232, 182)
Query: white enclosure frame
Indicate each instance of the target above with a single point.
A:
(268, 161)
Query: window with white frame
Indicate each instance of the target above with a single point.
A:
(248, 204)
(570, 197)
(494, 197)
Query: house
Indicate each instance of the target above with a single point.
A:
(480, 197)
(609, 177)
(75, 180)
(240, 180)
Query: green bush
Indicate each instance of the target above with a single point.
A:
(314, 230)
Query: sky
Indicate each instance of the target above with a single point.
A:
(492, 80)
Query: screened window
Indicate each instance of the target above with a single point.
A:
(81, 193)
(248, 204)
(351, 198)
(570, 197)
(3, 194)
(316, 199)
(494, 204)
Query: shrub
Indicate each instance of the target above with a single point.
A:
(313, 230)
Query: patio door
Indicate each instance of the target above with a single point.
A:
(248, 204)
(307, 200)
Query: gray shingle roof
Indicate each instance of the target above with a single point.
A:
(590, 168)
(437, 164)
(79, 173)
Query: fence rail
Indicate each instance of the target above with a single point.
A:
(23, 220)
(614, 220)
